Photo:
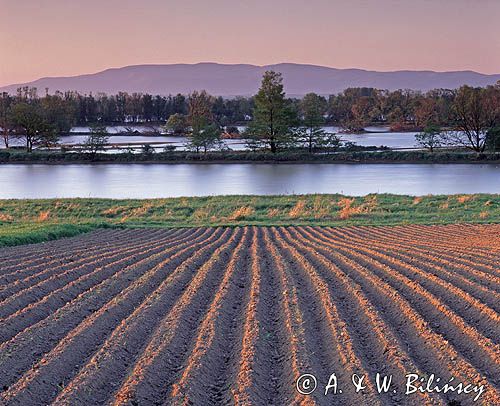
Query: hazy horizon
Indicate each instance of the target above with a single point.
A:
(57, 38)
(260, 65)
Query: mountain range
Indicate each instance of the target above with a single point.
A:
(243, 79)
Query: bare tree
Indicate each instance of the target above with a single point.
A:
(4, 118)
(476, 111)
(96, 141)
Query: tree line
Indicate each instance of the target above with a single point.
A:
(466, 116)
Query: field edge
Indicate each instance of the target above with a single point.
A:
(39, 220)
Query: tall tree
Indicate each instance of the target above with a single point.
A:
(58, 112)
(200, 110)
(204, 132)
(271, 124)
(400, 104)
(209, 137)
(32, 120)
(354, 108)
(493, 139)
(476, 111)
(426, 112)
(312, 108)
(5, 122)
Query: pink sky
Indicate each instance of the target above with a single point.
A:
(64, 37)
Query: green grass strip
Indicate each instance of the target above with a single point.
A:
(31, 221)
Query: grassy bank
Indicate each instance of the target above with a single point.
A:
(248, 156)
(27, 221)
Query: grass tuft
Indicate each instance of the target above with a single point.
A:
(27, 221)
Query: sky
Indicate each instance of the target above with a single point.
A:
(69, 37)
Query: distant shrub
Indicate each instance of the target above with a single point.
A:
(147, 149)
(493, 139)
(233, 130)
(169, 148)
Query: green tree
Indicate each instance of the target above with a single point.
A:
(272, 123)
(312, 108)
(400, 108)
(58, 112)
(32, 120)
(430, 138)
(355, 108)
(493, 139)
(177, 123)
(200, 118)
(209, 137)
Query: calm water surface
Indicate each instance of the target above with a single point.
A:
(174, 180)
(377, 137)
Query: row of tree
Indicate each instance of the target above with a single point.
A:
(472, 116)
(274, 121)
(468, 116)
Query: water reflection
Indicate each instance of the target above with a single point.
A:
(174, 180)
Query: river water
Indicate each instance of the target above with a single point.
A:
(377, 136)
(175, 180)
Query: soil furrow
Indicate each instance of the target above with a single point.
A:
(224, 316)
(10, 254)
(266, 367)
(17, 281)
(372, 340)
(468, 314)
(437, 236)
(293, 319)
(100, 375)
(332, 351)
(483, 353)
(481, 274)
(66, 248)
(27, 347)
(59, 297)
(244, 373)
(484, 287)
(48, 376)
(430, 348)
(206, 373)
(20, 295)
(151, 375)
(444, 240)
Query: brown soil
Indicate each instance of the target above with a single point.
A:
(213, 316)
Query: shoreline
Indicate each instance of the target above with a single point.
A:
(290, 157)
(256, 162)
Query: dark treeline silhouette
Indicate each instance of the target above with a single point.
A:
(274, 121)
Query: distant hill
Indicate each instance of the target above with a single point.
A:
(244, 80)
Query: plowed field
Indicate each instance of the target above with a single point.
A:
(210, 316)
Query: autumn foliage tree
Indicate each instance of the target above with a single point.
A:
(205, 132)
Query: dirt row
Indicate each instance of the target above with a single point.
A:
(213, 316)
